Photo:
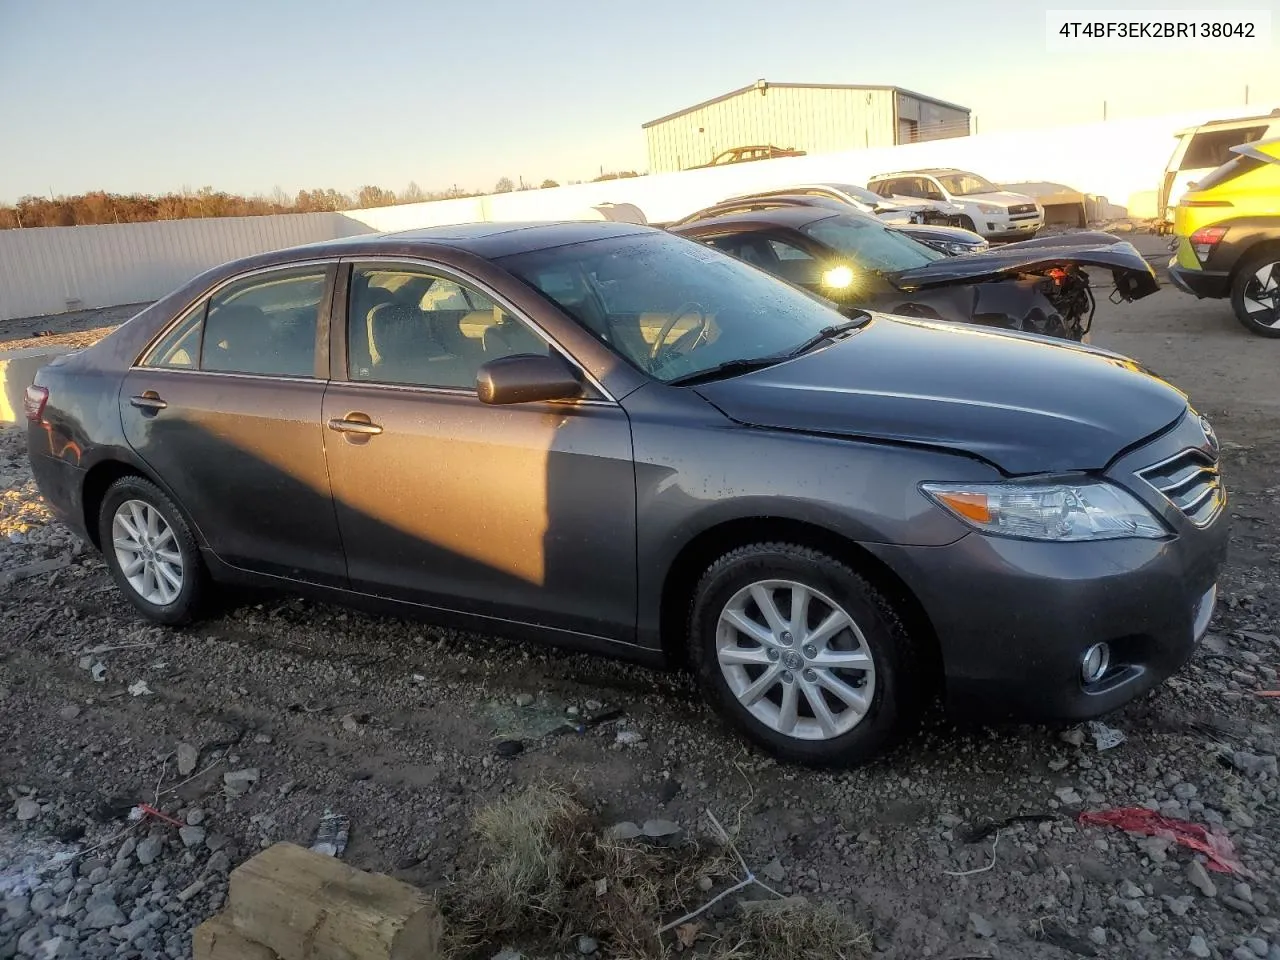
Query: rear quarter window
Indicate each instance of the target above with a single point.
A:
(1212, 148)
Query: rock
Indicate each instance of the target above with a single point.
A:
(524, 700)
(1157, 848)
(1130, 890)
(15, 908)
(1257, 945)
(215, 841)
(587, 945)
(1244, 892)
(1074, 737)
(623, 831)
(1243, 953)
(28, 809)
(352, 724)
(1136, 908)
(1242, 819)
(99, 875)
(1185, 791)
(1239, 906)
(981, 926)
(657, 829)
(87, 867)
(240, 782)
(1255, 765)
(220, 862)
(1098, 935)
(191, 836)
(774, 871)
(69, 712)
(149, 849)
(103, 917)
(1146, 936)
(629, 738)
(42, 901)
(705, 884)
(1198, 877)
(1068, 796)
(188, 757)
(195, 817)
(1198, 947)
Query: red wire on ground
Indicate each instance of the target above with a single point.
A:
(1215, 846)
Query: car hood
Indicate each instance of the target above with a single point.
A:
(1134, 277)
(1025, 403)
(1002, 197)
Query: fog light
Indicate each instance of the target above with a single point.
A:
(1095, 662)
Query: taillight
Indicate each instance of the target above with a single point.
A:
(34, 402)
(1205, 239)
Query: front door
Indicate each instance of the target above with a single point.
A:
(226, 410)
(523, 512)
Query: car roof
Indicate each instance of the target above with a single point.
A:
(927, 171)
(488, 240)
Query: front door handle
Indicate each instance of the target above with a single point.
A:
(148, 400)
(355, 423)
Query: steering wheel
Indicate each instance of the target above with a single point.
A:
(684, 310)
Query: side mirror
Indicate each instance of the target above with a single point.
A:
(526, 378)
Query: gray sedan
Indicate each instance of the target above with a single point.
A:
(609, 437)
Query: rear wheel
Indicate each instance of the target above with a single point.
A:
(803, 655)
(1255, 294)
(151, 551)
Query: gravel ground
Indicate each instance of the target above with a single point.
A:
(246, 728)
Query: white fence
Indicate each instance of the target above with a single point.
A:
(54, 269)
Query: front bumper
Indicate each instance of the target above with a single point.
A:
(1014, 618)
(1002, 228)
(1204, 284)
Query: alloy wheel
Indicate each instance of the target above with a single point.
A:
(795, 659)
(147, 552)
(1262, 296)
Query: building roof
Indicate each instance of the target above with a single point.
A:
(810, 86)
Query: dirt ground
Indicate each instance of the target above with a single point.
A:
(395, 724)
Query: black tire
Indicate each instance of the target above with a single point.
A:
(191, 597)
(900, 686)
(1247, 275)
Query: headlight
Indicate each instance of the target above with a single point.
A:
(990, 208)
(1049, 510)
(955, 249)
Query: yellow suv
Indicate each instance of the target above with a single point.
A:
(1227, 236)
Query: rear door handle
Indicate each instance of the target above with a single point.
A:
(150, 400)
(348, 425)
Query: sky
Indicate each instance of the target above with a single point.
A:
(253, 95)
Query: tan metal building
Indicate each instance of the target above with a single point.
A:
(814, 117)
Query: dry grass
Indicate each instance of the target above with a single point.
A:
(794, 929)
(546, 874)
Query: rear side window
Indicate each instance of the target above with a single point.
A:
(179, 349)
(1212, 148)
(265, 324)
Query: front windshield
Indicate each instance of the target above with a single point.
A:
(859, 193)
(871, 245)
(670, 306)
(963, 184)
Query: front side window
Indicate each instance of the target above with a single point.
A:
(411, 327)
(670, 306)
(265, 324)
(870, 245)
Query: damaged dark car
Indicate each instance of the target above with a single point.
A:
(1038, 286)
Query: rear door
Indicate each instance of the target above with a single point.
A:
(524, 512)
(226, 407)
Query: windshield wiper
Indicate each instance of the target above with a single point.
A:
(829, 333)
(730, 368)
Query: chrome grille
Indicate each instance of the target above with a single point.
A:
(1191, 482)
(1023, 208)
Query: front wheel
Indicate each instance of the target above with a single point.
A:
(1255, 294)
(967, 223)
(803, 655)
(151, 551)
